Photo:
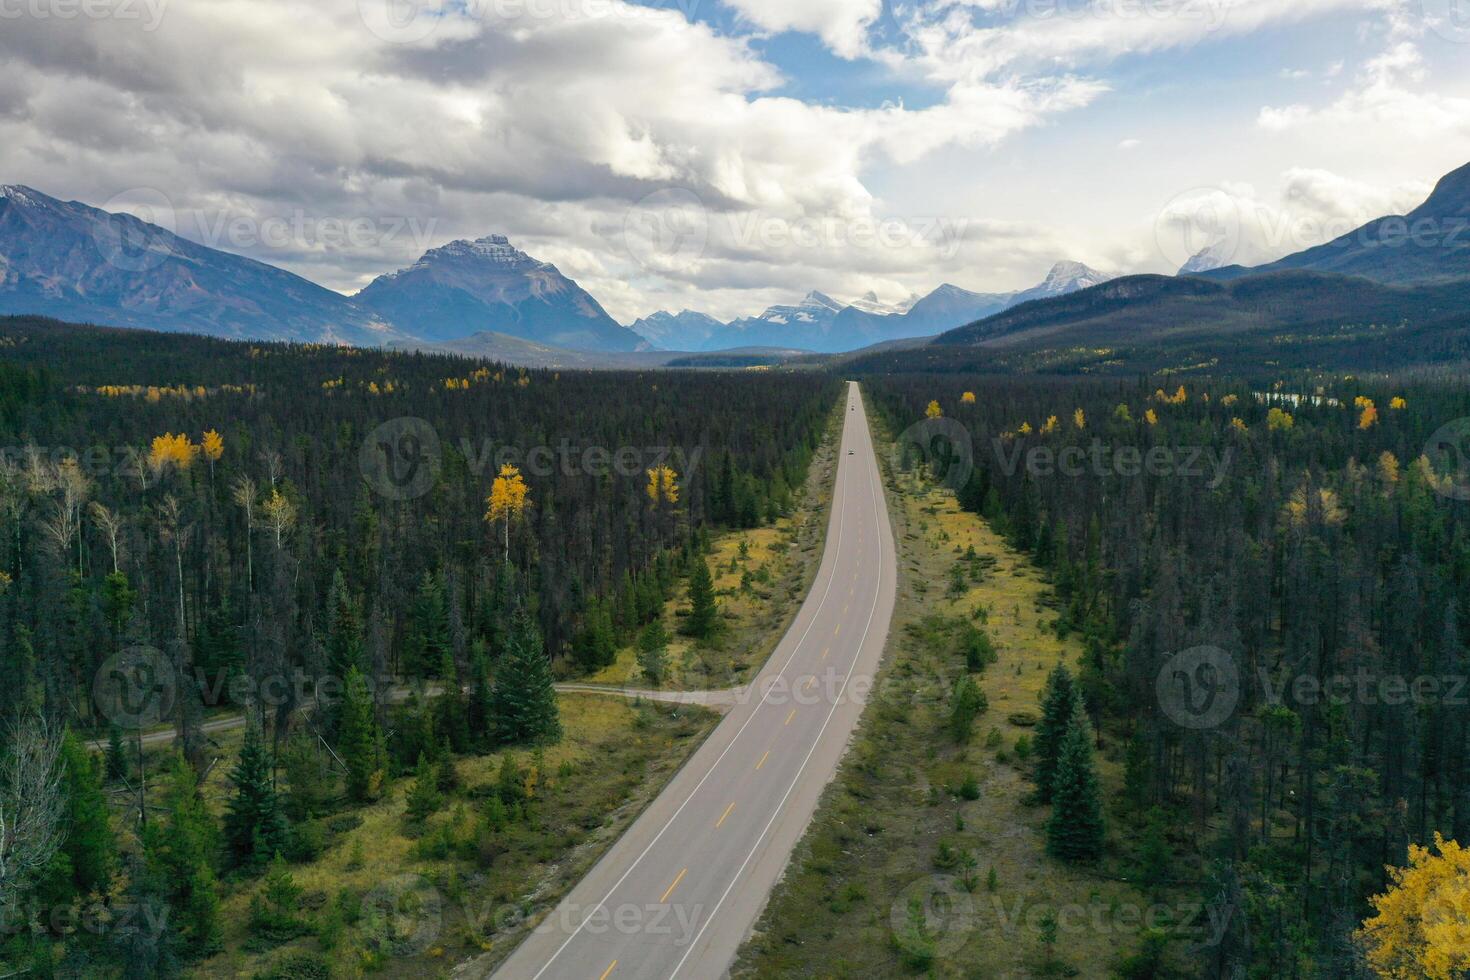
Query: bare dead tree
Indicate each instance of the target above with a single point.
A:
(110, 523)
(245, 495)
(31, 804)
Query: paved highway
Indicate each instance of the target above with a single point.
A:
(679, 892)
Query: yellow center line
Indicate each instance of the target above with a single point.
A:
(763, 759)
(825, 652)
(789, 717)
(671, 888)
(608, 971)
(838, 630)
(724, 815)
(810, 681)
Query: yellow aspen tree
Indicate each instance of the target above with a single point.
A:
(663, 485)
(933, 411)
(1079, 419)
(507, 501)
(968, 398)
(1421, 928)
(1151, 417)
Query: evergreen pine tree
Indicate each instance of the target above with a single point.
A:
(653, 656)
(117, 758)
(1075, 830)
(704, 612)
(428, 635)
(453, 720)
(423, 797)
(90, 848)
(523, 704)
(309, 780)
(255, 824)
(1059, 702)
(360, 742)
(179, 851)
(479, 709)
(346, 647)
(966, 703)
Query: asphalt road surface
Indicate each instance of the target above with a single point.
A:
(680, 891)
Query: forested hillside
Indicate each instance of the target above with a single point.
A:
(1273, 589)
(303, 532)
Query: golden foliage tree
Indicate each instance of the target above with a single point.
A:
(507, 500)
(933, 411)
(968, 398)
(172, 450)
(663, 485)
(1422, 925)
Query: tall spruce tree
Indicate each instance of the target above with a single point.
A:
(255, 823)
(653, 657)
(704, 611)
(360, 742)
(90, 848)
(523, 706)
(1059, 702)
(180, 852)
(1075, 830)
(480, 708)
(346, 647)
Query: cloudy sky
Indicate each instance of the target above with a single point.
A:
(723, 155)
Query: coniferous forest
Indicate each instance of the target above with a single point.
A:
(194, 526)
(1272, 582)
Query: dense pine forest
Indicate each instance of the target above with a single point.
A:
(299, 532)
(1273, 586)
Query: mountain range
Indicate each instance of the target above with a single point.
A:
(821, 324)
(1431, 242)
(67, 260)
(1394, 293)
(70, 261)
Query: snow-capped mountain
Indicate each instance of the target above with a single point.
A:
(468, 287)
(671, 331)
(1064, 278)
(869, 303)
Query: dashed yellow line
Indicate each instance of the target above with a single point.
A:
(789, 717)
(610, 967)
(825, 652)
(670, 890)
(724, 815)
(763, 759)
(810, 682)
(838, 630)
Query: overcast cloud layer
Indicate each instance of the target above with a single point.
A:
(692, 155)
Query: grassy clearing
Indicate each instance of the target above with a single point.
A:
(761, 577)
(925, 857)
(456, 887)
